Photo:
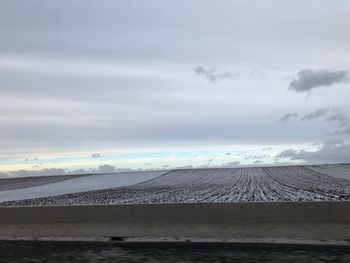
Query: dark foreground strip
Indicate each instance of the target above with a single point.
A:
(167, 252)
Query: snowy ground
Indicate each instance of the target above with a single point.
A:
(335, 170)
(24, 182)
(76, 184)
(293, 183)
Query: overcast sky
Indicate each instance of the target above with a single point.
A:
(152, 84)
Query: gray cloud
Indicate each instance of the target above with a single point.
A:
(333, 151)
(315, 114)
(308, 79)
(340, 117)
(286, 154)
(286, 117)
(96, 155)
(213, 75)
(344, 131)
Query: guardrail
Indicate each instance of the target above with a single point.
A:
(250, 222)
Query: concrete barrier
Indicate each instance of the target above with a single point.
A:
(290, 222)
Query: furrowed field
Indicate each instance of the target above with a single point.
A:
(288, 183)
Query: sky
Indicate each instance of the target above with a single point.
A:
(99, 86)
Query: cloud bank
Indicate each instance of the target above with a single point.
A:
(333, 151)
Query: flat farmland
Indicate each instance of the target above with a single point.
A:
(256, 184)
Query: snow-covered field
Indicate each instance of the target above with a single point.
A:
(289, 183)
(336, 170)
(70, 184)
(23, 182)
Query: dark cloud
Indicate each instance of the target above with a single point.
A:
(308, 79)
(228, 153)
(257, 162)
(96, 155)
(286, 117)
(333, 151)
(315, 114)
(213, 75)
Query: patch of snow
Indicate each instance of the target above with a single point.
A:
(80, 184)
(336, 170)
